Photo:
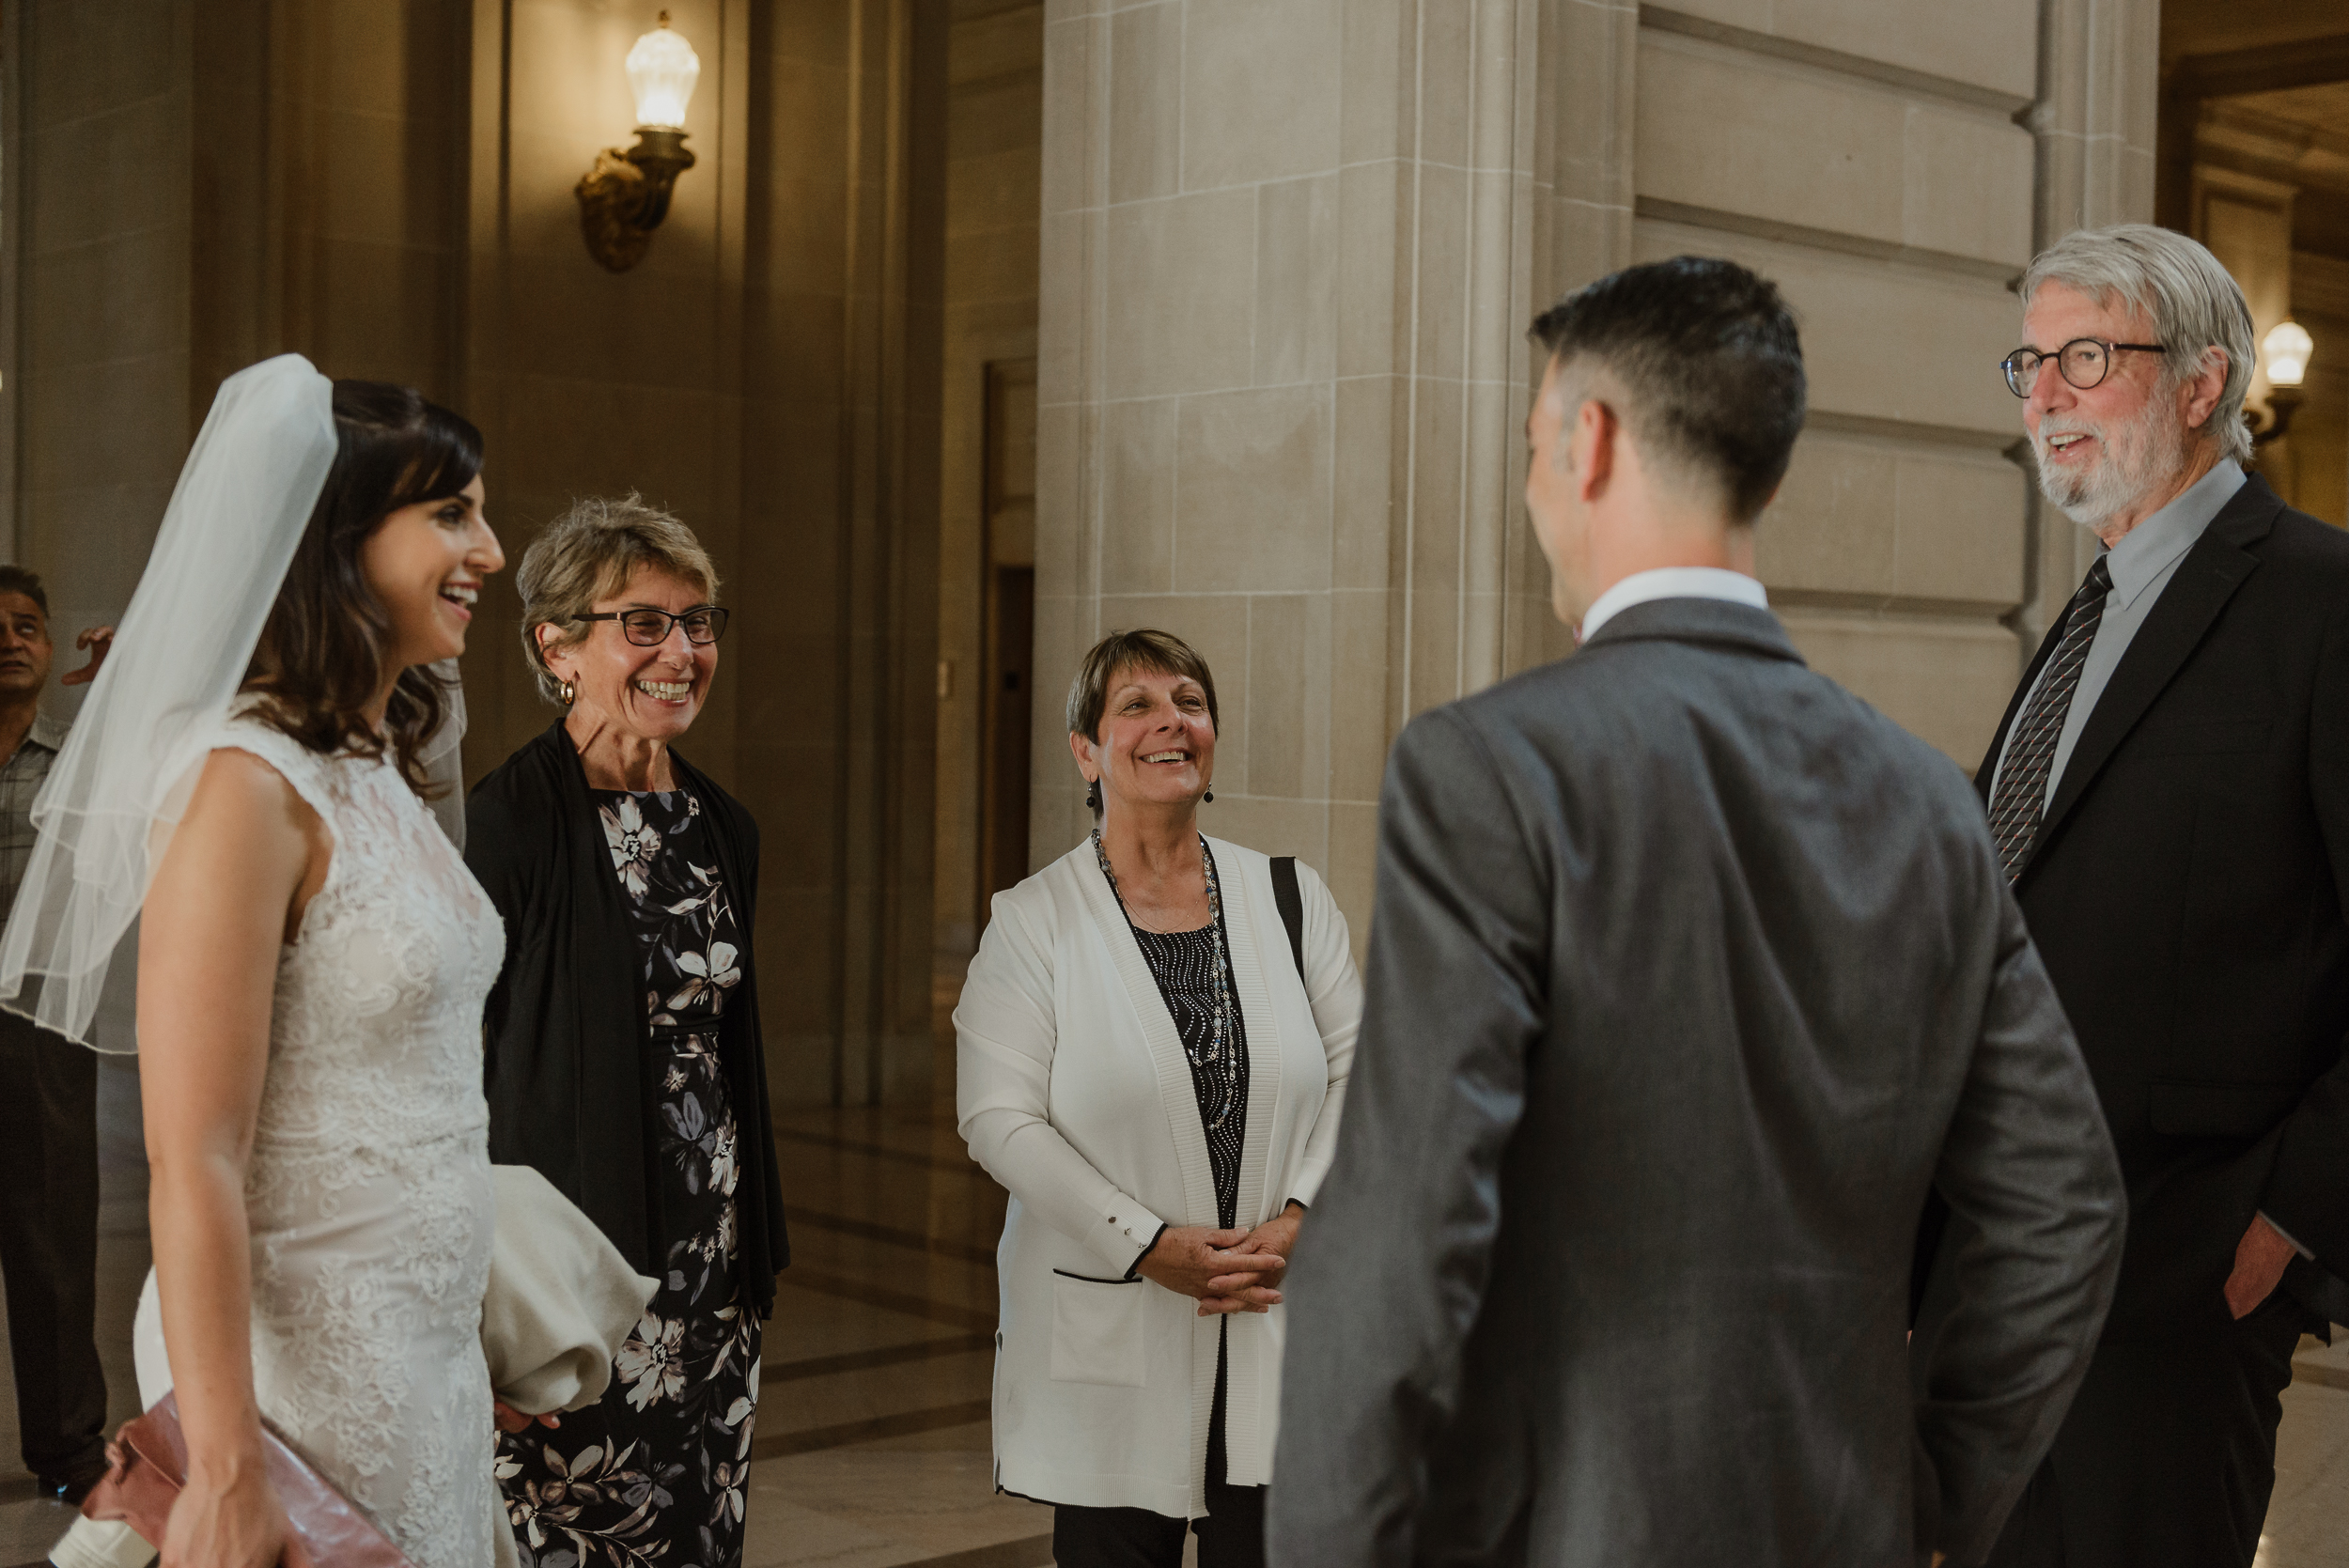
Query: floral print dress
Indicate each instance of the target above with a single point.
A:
(657, 1472)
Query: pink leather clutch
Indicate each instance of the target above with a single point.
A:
(146, 1464)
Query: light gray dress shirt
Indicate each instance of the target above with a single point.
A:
(2141, 566)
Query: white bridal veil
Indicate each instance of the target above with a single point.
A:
(120, 787)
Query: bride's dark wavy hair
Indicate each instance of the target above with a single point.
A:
(322, 654)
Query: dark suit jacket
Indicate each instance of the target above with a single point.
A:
(2185, 891)
(565, 1034)
(1690, 974)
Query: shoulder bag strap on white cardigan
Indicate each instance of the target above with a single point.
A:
(1292, 902)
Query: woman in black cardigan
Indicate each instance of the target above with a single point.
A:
(622, 1050)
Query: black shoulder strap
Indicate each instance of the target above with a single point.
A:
(1292, 905)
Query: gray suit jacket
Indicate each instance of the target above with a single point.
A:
(1690, 973)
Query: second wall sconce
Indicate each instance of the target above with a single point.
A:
(623, 197)
(2286, 349)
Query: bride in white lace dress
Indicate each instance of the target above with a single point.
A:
(313, 957)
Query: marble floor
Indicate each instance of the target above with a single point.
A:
(872, 1448)
(2307, 1517)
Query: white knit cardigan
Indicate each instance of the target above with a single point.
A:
(1072, 1089)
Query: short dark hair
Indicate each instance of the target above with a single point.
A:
(16, 579)
(322, 649)
(1158, 652)
(1709, 363)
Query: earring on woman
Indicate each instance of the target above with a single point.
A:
(1211, 797)
(569, 694)
(1092, 795)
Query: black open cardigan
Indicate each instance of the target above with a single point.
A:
(564, 1061)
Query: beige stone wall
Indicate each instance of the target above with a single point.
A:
(1283, 252)
(1892, 166)
(191, 188)
(768, 373)
(1289, 251)
(2095, 121)
(994, 143)
(1892, 206)
(584, 382)
(331, 176)
(97, 225)
(1285, 268)
(386, 185)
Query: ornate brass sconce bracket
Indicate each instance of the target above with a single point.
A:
(623, 197)
(2282, 403)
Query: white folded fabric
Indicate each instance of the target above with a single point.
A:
(562, 1298)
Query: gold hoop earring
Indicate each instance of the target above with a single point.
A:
(569, 694)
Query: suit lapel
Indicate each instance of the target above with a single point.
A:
(1989, 768)
(2205, 581)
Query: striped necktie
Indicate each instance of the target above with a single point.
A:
(2022, 796)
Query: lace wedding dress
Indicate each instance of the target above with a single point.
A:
(369, 1191)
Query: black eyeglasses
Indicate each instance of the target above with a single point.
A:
(649, 629)
(2084, 362)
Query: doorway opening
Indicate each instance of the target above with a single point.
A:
(2254, 162)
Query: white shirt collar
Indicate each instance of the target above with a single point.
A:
(1670, 583)
(2146, 550)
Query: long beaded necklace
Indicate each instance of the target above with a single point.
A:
(1218, 1061)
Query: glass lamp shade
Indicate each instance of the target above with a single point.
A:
(2286, 348)
(661, 71)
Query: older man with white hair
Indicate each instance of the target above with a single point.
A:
(2169, 794)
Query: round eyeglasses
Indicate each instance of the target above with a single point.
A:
(2084, 362)
(649, 628)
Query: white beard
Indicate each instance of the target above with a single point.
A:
(2136, 458)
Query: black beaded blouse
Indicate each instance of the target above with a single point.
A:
(1193, 969)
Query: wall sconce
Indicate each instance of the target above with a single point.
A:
(623, 197)
(2286, 349)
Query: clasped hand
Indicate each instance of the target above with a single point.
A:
(1226, 1271)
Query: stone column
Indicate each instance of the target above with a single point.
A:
(1286, 265)
(2093, 121)
(99, 213)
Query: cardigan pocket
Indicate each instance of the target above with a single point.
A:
(1096, 1331)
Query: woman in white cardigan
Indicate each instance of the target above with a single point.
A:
(1155, 1074)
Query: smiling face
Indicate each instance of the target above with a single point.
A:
(1156, 743)
(650, 694)
(424, 565)
(2108, 454)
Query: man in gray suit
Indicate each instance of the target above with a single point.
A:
(1690, 975)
